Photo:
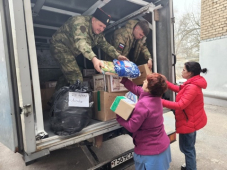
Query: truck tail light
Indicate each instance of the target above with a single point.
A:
(172, 137)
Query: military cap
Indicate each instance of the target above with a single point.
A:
(102, 16)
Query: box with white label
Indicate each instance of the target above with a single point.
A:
(108, 83)
(99, 81)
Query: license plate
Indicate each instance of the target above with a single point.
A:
(121, 159)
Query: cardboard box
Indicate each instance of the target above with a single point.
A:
(108, 83)
(46, 95)
(99, 81)
(144, 70)
(88, 72)
(114, 85)
(47, 90)
(88, 82)
(102, 102)
(48, 84)
(45, 105)
(123, 107)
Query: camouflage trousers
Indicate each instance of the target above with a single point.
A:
(68, 65)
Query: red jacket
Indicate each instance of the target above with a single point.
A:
(189, 106)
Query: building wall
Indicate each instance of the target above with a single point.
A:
(213, 50)
(213, 18)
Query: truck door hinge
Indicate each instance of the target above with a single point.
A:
(20, 110)
(27, 109)
(173, 20)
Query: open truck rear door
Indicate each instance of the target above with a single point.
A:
(9, 109)
(17, 116)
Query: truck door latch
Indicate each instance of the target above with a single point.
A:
(27, 109)
(173, 20)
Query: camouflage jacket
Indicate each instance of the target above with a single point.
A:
(77, 36)
(123, 40)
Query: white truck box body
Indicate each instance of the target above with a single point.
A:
(23, 24)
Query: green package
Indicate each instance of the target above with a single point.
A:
(108, 67)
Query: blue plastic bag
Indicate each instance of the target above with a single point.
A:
(126, 68)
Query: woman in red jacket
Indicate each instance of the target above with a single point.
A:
(189, 110)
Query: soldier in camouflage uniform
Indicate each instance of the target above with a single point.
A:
(79, 35)
(130, 40)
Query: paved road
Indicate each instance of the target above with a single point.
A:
(211, 147)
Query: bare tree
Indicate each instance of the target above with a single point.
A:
(187, 35)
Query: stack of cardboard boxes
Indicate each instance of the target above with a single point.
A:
(107, 88)
(87, 77)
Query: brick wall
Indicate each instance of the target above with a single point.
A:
(213, 18)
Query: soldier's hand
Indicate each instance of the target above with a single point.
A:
(121, 57)
(98, 64)
(149, 63)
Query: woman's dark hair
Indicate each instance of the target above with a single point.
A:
(194, 68)
(156, 84)
(144, 26)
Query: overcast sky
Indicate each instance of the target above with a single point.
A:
(182, 6)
